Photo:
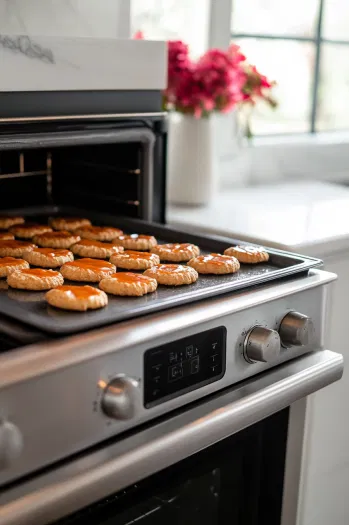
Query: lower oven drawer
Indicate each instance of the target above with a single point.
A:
(212, 447)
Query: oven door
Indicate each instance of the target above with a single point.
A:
(233, 457)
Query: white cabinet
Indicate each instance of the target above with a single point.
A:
(324, 497)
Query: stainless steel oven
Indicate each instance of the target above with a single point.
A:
(184, 407)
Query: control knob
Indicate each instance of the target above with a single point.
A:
(296, 330)
(261, 344)
(11, 443)
(120, 398)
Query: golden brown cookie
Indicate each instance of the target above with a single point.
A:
(98, 233)
(131, 260)
(6, 236)
(7, 222)
(10, 264)
(48, 257)
(68, 223)
(35, 279)
(95, 249)
(127, 283)
(214, 263)
(29, 230)
(248, 254)
(59, 239)
(15, 248)
(172, 274)
(80, 298)
(89, 270)
(136, 241)
(175, 252)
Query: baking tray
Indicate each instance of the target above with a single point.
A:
(31, 308)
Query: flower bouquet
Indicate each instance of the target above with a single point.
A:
(219, 81)
(199, 93)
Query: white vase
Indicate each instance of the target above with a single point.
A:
(190, 166)
(203, 154)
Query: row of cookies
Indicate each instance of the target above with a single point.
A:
(68, 232)
(81, 228)
(135, 260)
(131, 284)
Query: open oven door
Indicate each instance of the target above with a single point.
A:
(234, 457)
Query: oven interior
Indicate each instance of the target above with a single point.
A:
(105, 168)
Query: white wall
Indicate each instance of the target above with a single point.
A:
(74, 18)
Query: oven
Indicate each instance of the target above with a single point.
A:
(184, 407)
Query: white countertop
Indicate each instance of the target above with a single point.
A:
(305, 217)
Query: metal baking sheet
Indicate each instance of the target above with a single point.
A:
(31, 308)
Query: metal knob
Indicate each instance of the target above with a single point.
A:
(119, 398)
(261, 344)
(296, 330)
(11, 443)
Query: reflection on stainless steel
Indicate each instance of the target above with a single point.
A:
(61, 492)
(296, 330)
(261, 345)
(293, 466)
(118, 401)
(21, 162)
(11, 443)
(84, 117)
(4, 176)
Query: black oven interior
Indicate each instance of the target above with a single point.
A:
(238, 481)
(103, 167)
(116, 167)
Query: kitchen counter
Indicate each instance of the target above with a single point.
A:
(304, 217)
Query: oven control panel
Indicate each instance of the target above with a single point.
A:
(184, 365)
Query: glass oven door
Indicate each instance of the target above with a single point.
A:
(218, 461)
(237, 481)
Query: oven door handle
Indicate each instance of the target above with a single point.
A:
(97, 475)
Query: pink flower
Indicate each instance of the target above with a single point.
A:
(219, 80)
(139, 35)
(257, 86)
(179, 64)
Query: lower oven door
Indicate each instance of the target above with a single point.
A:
(233, 457)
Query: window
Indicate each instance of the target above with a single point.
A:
(304, 46)
(187, 20)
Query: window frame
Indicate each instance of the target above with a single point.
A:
(318, 41)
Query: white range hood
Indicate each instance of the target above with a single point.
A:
(75, 45)
(42, 63)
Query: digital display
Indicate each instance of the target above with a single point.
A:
(184, 365)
